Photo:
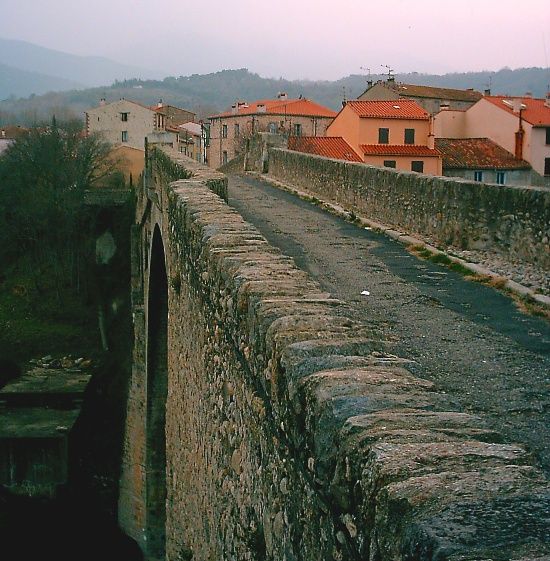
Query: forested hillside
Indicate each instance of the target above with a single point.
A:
(206, 94)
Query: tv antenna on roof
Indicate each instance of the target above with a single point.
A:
(488, 85)
(369, 79)
(367, 69)
(391, 77)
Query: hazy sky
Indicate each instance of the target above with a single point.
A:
(291, 38)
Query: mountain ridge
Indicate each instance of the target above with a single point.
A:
(16, 83)
(87, 70)
(206, 94)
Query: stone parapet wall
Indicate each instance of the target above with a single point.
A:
(292, 434)
(513, 221)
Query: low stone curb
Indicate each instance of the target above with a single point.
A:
(408, 240)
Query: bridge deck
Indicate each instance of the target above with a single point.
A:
(467, 338)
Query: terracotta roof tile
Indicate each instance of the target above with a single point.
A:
(476, 153)
(394, 109)
(536, 112)
(398, 150)
(450, 94)
(301, 107)
(327, 146)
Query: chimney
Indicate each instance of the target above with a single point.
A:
(518, 152)
(282, 96)
(159, 104)
(102, 102)
(520, 133)
(261, 108)
(431, 134)
(528, 94)
(234, 109)
(547, 100)
(487, 91)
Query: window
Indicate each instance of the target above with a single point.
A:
(237, 130)
(224, 131)
(389, 163)
(297, 129)
(547, 135)
(409, 136)
(124, 136)
(272, 128)
(383, 136)
(501, 177)
(124, 117)
(417, 165)
(546, 166)
(224, 157)
(478, 176)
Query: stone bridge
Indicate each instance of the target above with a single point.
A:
(264, 423)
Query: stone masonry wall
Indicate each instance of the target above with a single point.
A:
(292, 435)
(514, 221)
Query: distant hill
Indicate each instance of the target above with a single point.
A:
(87, 70)
(18, 83)
(209, 93)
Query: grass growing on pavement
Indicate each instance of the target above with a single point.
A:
(442, 259)
(523, 303)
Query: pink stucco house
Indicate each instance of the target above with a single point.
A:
(520, 125)
(394, 134)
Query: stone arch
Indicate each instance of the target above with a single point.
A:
(157, 388)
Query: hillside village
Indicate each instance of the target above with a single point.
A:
(174, 243)
(423, 129)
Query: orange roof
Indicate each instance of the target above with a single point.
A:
(327, 146)
(394, 109)
(301, 107)
(435, 92)
(398, 150)
(535, 112)
(476, 153)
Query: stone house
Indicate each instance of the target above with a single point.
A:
(171, 116)
(432, 99)
(9, 134)
(396, 134)
(520, 125)
(127, 122)
(291, 117)
(481, 159)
